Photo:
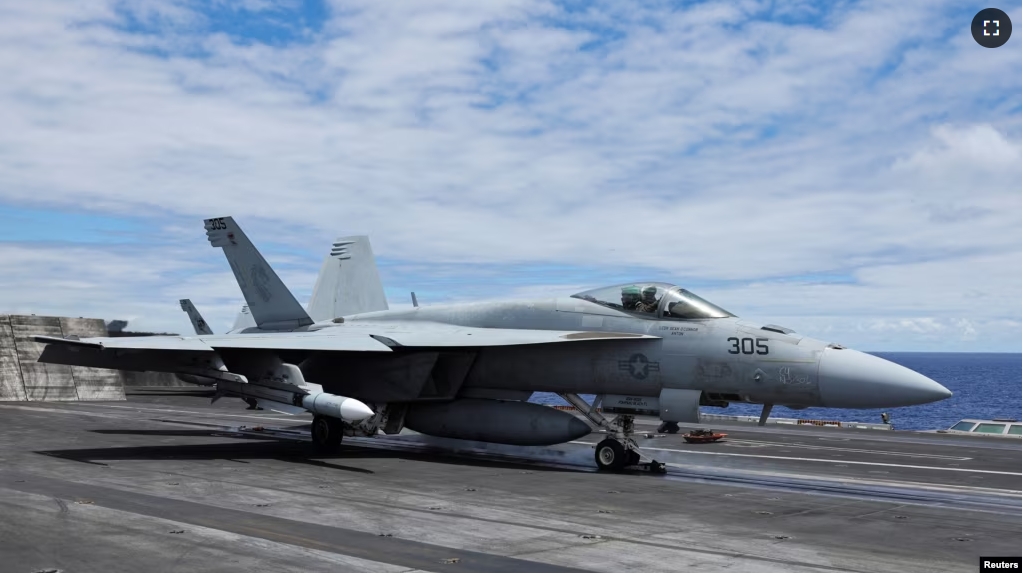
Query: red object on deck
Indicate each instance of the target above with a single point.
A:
(702, 436)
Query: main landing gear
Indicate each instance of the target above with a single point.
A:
(327, 432)
(668, 427)
(619, 450)
(610, 454)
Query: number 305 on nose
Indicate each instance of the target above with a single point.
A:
(748, 346)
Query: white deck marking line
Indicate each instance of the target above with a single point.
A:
(844, 449)
(827, 460)
(871, 481)
(68, 411)
(206, 415)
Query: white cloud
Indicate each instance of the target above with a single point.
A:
(709, 142)
(141, 285)
(970, 299)
(972, 165)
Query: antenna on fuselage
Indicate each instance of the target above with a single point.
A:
(415, 302)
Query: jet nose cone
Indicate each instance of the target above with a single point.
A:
(851, 379)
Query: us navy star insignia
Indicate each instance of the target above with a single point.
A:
(639, 366)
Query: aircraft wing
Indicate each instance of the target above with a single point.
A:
(129, 343)
(350, 338)
(186, 354)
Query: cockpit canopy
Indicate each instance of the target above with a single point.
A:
(654, 301)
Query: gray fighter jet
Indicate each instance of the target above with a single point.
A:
(465, 370)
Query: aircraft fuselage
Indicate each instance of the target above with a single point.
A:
(727, 358)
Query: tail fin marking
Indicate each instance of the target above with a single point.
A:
(271, 304)
(198, 323)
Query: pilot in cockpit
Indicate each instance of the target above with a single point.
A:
(630, 297)
(649, 302)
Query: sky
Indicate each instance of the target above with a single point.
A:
(850, 170)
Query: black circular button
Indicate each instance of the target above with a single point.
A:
(991, 27)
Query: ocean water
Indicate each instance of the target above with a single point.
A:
(983, 385)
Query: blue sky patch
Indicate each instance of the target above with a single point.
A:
(271, 23)
(24, 224)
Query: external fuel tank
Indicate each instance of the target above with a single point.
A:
(489, 420)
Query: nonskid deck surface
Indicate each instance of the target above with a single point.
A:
(174, 483)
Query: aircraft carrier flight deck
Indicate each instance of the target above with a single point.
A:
(176, 484)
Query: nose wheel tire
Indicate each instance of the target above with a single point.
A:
(326, 432)
(611, 455)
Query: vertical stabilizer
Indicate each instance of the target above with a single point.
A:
(198, 323)
(243, 320)
(349, 282)
(271, 304)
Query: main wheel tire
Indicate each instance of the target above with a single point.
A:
(668, 427)
(326, 432)
(610, 455)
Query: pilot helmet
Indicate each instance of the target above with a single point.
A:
(649, 292)
(630, 292)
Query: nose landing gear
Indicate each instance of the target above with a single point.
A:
(619, 450)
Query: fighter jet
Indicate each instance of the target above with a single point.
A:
(465, 371)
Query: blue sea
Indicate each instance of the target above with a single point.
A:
(983, 385)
